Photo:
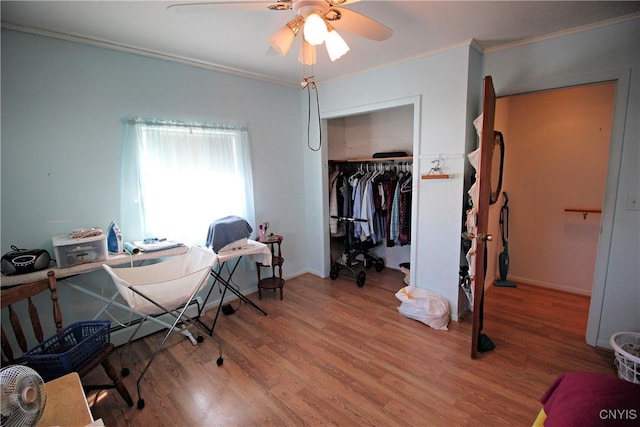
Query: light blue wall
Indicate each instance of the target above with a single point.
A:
(62, 103)
(611, 52)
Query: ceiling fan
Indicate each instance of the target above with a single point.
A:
(318, 20)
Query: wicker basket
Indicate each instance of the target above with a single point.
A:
(627, 348)
(69, 349)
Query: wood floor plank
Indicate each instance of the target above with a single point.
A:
(331, 353)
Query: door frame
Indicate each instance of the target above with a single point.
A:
(622, 79)
(414, 101)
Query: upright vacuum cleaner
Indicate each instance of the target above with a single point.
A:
(503, 259)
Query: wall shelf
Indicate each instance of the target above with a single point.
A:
(436, 176)
(375, 159)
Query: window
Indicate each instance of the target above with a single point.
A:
(178, 178)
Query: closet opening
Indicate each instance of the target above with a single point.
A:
(373, 147)
(556, 162)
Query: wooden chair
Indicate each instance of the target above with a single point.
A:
(15, 294)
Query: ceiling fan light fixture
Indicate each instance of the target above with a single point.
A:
(307, 55)
(336, 46)
(315, 29)
(282, 39)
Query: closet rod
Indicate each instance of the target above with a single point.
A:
(589, 210)
(585, 212)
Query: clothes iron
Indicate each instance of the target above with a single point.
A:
(114, 239)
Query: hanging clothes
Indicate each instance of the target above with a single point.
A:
(389, 192)
(404, 217)
(336, 203)
(333, 202)
(377, 195)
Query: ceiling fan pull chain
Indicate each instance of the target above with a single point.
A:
(309, 84)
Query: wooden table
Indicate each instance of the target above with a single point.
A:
(66, 403)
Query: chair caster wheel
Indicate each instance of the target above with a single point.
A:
(200, 338)
(333, 274)
(124, 372)
(219, 361)
(140, 403)
(360, 279)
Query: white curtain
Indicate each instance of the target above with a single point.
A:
(178, 178)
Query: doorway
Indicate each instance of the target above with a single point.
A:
(557, 145)
(407, 113)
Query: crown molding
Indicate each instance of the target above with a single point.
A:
(144, 52)
(562, 33)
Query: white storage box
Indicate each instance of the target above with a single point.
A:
(70, 251)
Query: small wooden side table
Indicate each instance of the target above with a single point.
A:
(275, 281)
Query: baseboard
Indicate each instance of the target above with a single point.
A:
(302, 273)
(555, 286)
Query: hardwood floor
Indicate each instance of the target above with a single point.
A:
(331, 353)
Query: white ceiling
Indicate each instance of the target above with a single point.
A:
(234, 37)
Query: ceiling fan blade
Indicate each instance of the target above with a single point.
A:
(361, 25)
(256, 4)
(336, 3)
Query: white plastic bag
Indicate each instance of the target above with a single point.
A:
(424, 306)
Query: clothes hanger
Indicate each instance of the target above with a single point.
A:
(407, 184)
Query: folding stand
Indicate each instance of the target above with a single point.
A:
(254, 249)
(166, 287)
(112, 302)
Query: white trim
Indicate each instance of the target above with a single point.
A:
(416, 102)
(623, 83)
(369, 108)
(548, 285)
(562, 33)
(145, 52)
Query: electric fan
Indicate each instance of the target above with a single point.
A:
(23, 396)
